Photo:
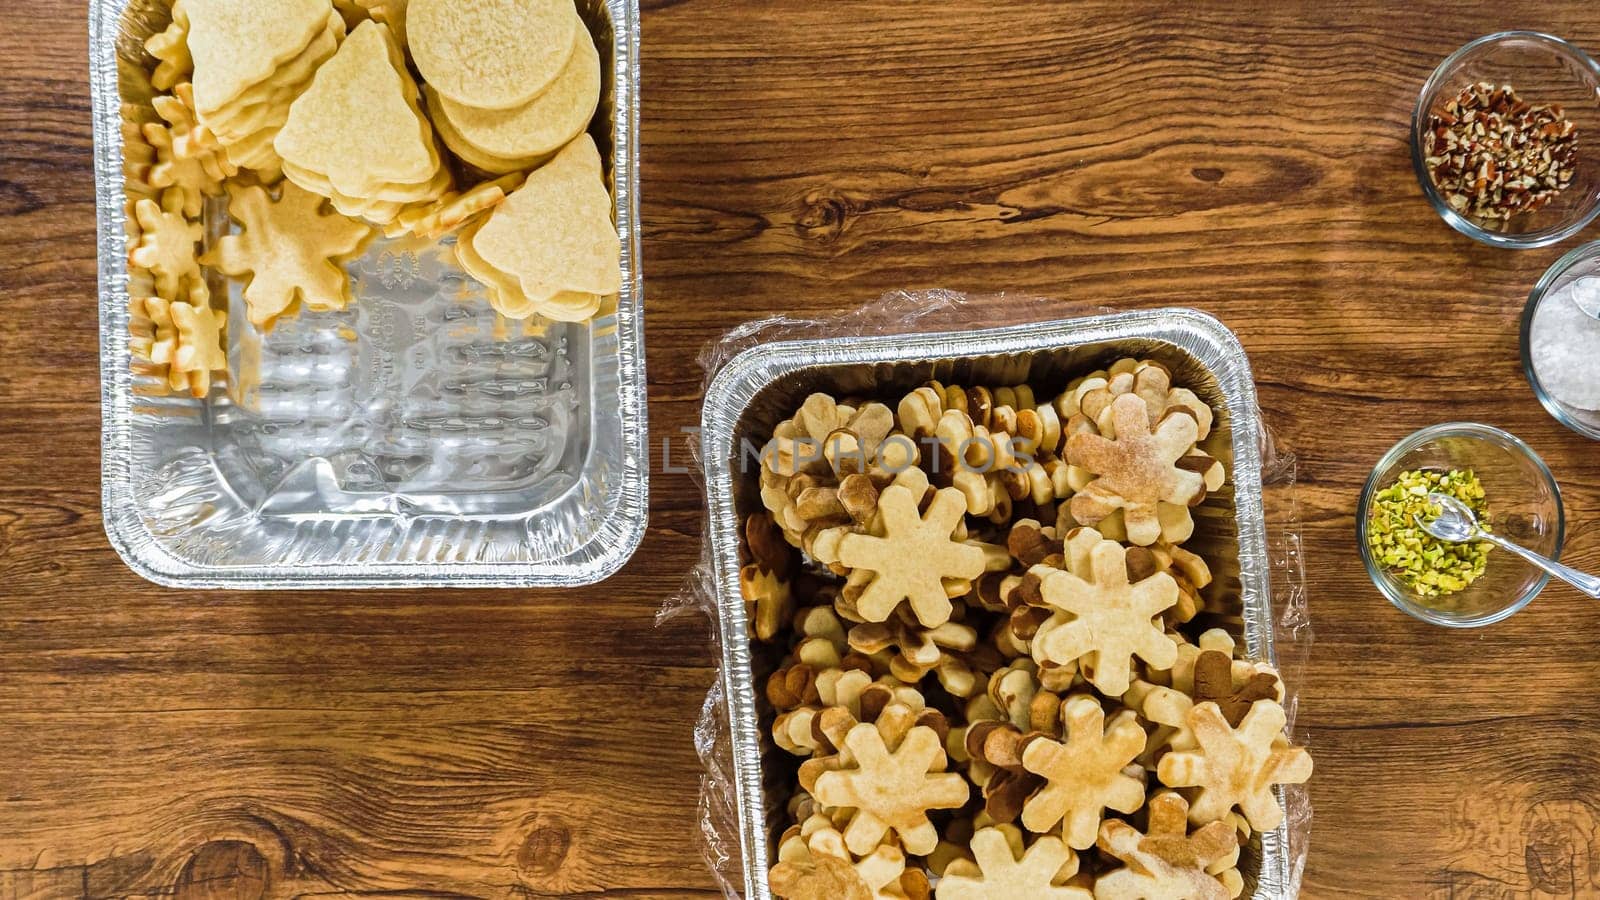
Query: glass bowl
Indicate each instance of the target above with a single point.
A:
(1583, 262)
(1543, 69)
(1524, 505)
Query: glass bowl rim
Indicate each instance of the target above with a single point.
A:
(1540, 291)
(1478, 431)
(1533, 239)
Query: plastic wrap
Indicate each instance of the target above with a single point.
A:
(914, 329)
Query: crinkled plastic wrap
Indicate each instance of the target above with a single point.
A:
(760, 373)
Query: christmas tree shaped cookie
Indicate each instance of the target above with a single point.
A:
(357, 133)
(555, 234)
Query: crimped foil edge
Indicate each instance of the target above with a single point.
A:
(613, 542)
(747, 374)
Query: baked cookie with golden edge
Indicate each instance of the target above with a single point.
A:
(1237, 767)
(1003, 872)
(435, 220)
(1167, 860)
(554, 234)
(540, 127)
(1084, 773)
(505, 291)
(167, 244)
(238, 44)
(358, 128)
(171, 50)
(1137, 473)
(892, 791)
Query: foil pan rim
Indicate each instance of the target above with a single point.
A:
(746, 374)
(614, 541)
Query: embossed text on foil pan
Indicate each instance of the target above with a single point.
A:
(411, 440)
(760, 387)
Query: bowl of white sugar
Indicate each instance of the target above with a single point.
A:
(1561, 340)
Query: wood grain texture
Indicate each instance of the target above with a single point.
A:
(1248, 158)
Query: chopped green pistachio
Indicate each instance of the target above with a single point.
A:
(1429, 567)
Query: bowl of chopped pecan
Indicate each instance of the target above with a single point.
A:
(1498, 139)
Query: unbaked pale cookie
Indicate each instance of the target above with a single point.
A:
(359, 125)
(167, 243)
(289, 250)
(236, 44)
(892, 791)
(491, 54)
(914, 556)
(555, 233)
(1103, 619)
(540, 127)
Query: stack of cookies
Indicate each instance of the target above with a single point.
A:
(987, 695)
(508, 83)
(305, 118)
(250, 61)
(358, 136)
(550, 249)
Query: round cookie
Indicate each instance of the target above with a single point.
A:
(470, 154)
(539, 127)
(492, 54)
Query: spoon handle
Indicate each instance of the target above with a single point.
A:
(1588, 584)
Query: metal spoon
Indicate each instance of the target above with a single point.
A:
(1456, 524)
(1586, 295)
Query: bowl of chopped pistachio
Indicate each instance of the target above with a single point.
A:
(1501, 480)
(1496, 138)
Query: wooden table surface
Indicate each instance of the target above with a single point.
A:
(1250, 160)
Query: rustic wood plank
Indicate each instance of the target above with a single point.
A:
(1249, 159)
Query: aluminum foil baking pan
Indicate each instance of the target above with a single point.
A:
(414, 439)
(761, 386)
